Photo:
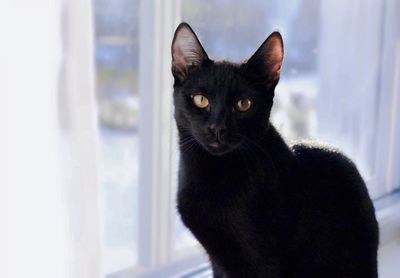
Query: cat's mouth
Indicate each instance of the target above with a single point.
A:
(218, 147)
(215, 145)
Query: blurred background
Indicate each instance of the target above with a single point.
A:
(90, 142)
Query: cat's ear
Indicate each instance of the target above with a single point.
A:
(267, 61)
(187, 51)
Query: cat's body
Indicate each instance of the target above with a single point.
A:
(259, 207)
(287, 223)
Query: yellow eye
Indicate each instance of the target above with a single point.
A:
(200, 101)
(243, 105)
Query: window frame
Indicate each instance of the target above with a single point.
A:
(158, 20)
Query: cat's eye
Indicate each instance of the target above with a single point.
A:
(243, 105)
(200, 101)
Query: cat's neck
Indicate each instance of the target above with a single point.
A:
(279, 151)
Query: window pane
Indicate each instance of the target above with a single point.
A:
(116, 24)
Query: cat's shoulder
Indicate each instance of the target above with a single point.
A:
(320, 154)
(328, 175)
(325, 167)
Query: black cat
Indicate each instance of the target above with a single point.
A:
(259, 207)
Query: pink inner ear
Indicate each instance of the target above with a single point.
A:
(274, 56)
(186, 52)
(178, 62)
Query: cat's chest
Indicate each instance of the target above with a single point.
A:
(214, 219)
(213, 193)
(221, 219)
(212, 202)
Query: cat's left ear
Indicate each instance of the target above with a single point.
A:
(267, 61)
(187, 52)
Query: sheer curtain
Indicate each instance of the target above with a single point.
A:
(350, 74)
(359, 75)
(48, 191)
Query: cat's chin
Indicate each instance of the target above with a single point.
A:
(217, 149)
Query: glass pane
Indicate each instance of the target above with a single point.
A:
(327, 91)
(118, 106)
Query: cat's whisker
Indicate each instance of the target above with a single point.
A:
(188, 144)
(185, 140)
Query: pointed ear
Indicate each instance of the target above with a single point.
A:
(187, 51)
(266, 63)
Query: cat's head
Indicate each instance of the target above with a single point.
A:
(223, 105)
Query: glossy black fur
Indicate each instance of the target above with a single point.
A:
(259, 207)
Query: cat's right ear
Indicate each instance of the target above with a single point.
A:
(187, 52)
(266, 63)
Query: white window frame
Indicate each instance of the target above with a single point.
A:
(157, 256)
(157, 133)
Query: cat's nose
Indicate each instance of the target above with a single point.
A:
(217, 130)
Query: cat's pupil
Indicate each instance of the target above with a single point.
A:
(200, 101)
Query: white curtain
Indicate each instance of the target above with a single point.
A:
(350, 64)
(48, 191)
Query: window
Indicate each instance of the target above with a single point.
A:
(339, 85)
(117, 54)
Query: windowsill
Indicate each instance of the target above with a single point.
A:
(388, 215)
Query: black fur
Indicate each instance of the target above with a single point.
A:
(259, 207)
